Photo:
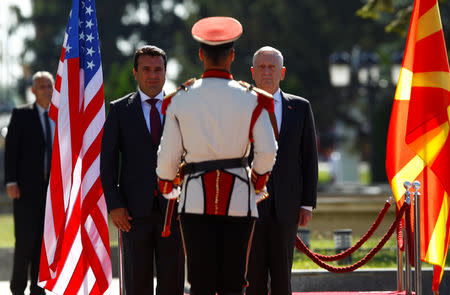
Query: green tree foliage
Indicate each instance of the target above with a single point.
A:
(48, 18)
(306, 32)
(120, 82)
(396, 14)
(132, 22)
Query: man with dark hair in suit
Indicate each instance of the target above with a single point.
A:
(27, 170)
(292, 186)
(130, 141)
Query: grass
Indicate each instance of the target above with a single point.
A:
(325, 173)
(387, 257)
(6, 231)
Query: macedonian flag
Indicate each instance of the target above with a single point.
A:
(418, 145)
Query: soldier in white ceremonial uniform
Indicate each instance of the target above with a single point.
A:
(211, 126)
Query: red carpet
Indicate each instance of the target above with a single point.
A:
(353, 293)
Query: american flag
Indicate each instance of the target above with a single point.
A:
(75, 255)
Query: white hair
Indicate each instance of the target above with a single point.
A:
(268, 50)
(40, 75)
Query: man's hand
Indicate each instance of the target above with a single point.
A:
(262, 195)
(13, 191)
(304, 217)
(121, 218)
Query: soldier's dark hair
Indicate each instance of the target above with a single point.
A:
(217, 54)
(149, 50)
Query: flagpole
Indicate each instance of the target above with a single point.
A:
(119, 232)
(407, 269)
(399, 268)
(418, 270)
(400, 275)
(408, 277)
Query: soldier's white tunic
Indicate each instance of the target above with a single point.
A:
(211, 121)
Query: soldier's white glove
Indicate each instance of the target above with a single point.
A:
(262, 195)
(176, 191)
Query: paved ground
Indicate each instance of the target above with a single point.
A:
(113, 289)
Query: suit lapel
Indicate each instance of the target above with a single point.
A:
(285, 110)
(138, 116)
(163, 116)
(38, 123)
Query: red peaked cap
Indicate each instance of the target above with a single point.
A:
(217, 30)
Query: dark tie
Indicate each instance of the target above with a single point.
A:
(155, 121)
(273, 121)
(48, 144)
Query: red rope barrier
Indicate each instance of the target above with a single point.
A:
(363, 239)
(301, 246)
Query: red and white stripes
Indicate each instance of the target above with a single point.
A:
(75, 256)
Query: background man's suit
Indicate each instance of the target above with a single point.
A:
(24, 165)
(292, 184)
(127, 169)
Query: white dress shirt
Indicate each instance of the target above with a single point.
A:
(146, 107)
(279, 117)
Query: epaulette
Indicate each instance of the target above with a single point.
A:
(262, 92)
(250, 87)
(168, 98)
(265, 101)
(264, 98)
(246, 85)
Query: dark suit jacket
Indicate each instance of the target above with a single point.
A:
(293, 181)
(128, 159)
(24, 154)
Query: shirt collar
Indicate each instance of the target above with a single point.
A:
(217, 74)
(144, 96)
(277, 95)
(40, 109)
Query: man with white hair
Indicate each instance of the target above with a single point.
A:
(292, 186)
(28, 153)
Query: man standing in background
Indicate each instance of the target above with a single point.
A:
(130, 140)
(28, 153)
(292, 186)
